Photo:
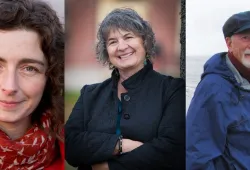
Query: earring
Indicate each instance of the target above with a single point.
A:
(145, 61)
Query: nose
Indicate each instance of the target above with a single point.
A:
(122, 45)
(9, 83)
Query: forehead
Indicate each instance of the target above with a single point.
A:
(116, 32)
(19, 44)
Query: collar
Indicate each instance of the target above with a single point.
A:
(135, 80)
(241, 80)
(244, 72)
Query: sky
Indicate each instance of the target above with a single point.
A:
(204, 21)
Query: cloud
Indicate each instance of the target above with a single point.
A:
(204, 24)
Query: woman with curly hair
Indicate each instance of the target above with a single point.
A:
(135, 119)
(31, 86)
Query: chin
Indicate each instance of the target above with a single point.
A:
(9, 119)
(13, 116)
(246, 62)
(125, 65)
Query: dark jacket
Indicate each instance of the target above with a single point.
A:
(153, 113)
(218, 120)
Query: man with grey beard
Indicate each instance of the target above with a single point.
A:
(218, 119)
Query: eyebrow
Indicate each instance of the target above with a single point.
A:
(127, 34)
(26, 60)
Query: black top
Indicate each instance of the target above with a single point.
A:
(119, 115)
(153, 112)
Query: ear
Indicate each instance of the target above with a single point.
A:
(229, 43)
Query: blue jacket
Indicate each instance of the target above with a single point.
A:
(218, 120)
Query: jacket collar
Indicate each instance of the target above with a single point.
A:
(221, 65)
(242, 70)
(135, 80)
(243, 82)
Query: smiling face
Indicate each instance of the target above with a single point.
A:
(126, 51)
(239, 44)
(22, 74)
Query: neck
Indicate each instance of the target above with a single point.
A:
(125, 74)
(17, 129)
(244, 71)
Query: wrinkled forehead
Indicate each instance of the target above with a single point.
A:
(115, 30)
(119, 32)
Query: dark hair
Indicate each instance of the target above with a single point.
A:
(40, 17)
(125, 19)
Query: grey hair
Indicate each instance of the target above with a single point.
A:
(128, 20)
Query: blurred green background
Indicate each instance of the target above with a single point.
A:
(70, 99)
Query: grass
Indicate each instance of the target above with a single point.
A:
(71, 96)
(70, 100)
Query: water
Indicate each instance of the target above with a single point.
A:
(194, 69)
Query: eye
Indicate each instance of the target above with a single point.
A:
(111, 42)
(246, 37)
(129, 37)
(31, 69)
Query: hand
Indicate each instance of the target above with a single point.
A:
(100, 166)
(129, 145)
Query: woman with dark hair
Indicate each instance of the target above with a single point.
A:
(31, 86)
(135, 119)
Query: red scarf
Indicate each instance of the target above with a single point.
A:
(35, 150)
(244, 71)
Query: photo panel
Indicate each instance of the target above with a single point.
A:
(217, 84)
(125, 84)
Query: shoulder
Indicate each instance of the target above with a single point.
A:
(97, 86)
(91, 92)
(171, 84)
(168, 81)
(213, 90)
(214, 86)
(171, 87)
(213, 101)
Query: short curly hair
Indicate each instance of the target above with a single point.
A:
(125, 19)
(40, 17)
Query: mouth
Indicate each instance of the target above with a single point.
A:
(247, 53)
(9, 104)
(125, 56)
(247, 56)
